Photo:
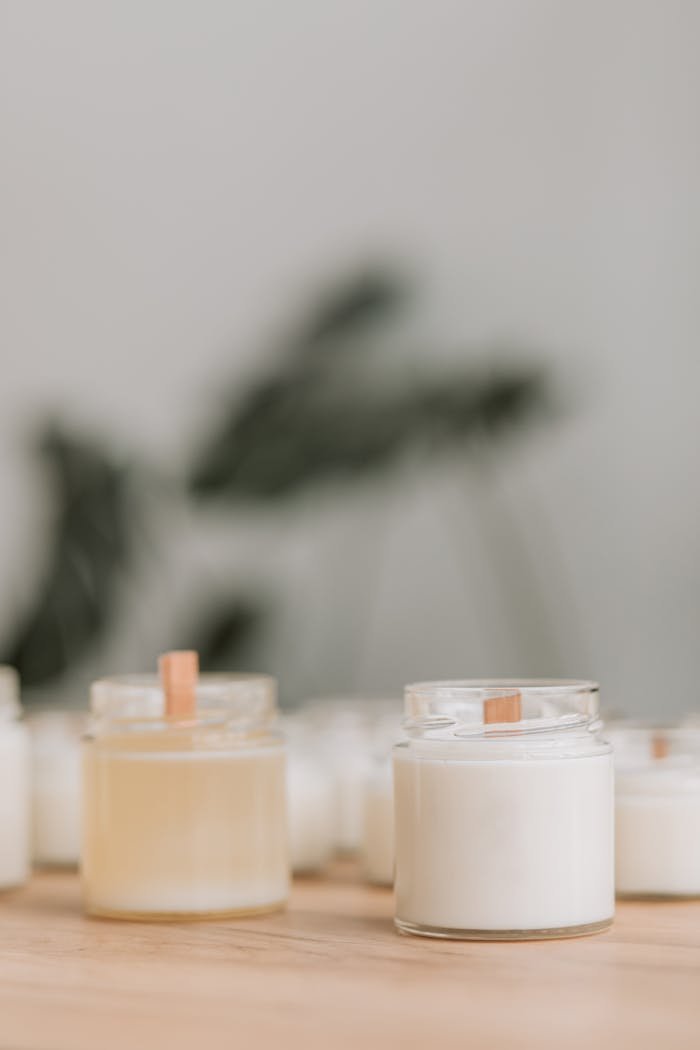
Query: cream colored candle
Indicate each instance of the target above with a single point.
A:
(185, 811)
(14, 785)
(56, 786)
(657, 811)
(504, 811)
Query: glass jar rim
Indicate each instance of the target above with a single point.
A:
(458, 707)
(221, 698)
(476, 687)
(634, 728)
(636, 741)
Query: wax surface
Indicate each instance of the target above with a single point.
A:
(183, 831)
(504, 845)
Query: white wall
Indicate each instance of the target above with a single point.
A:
(175, 175)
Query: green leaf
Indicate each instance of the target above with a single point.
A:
(290, 434)
(89, 545)
(347, 310)
(223, 633)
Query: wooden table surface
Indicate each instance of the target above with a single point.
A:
(331, 972)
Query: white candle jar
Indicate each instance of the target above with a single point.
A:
(504, 811)
(184, 816)
(56, 786)
(344, 728)
(377, 852)
(14, 784)
(657, 811)
(310, 804)
(378, 834)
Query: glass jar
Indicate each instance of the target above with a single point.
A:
(14, 780)
(184, 815)
(657, 810)
(504, 811)
(56, 738)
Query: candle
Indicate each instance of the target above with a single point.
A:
(184, 786)
(310, 798)
(310, 813)
(344, 728)
(56, 786)
(657, 811)
(14, 784)
(377, 850)
(504, 811)
(378, 831)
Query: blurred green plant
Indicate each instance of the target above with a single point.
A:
(89, 548)
(224, 632)
(290, 435)
(318, 414)
(314, 419)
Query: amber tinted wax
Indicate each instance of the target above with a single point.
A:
(177, 824)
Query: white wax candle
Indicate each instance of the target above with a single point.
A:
(350, 778)
(378, 837)
(657, 850)
(657, 811)
(14, 785)
(56, 786)
(345, 730)
(310, 812)
(504, 811)
(521, 845)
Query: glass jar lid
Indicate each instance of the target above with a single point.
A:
(498, 708)
(237, 701)
(655, 758)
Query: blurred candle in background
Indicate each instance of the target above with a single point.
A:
(184, 782)
(378, 830)
(344, 728)
(14, 784)
(377, 851)
(657, 810)
(56, 738)
(310, 799)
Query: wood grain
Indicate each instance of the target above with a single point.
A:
(331, 972)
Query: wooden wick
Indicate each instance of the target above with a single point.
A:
(659, 746)
(506, 708)
(178, 674)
